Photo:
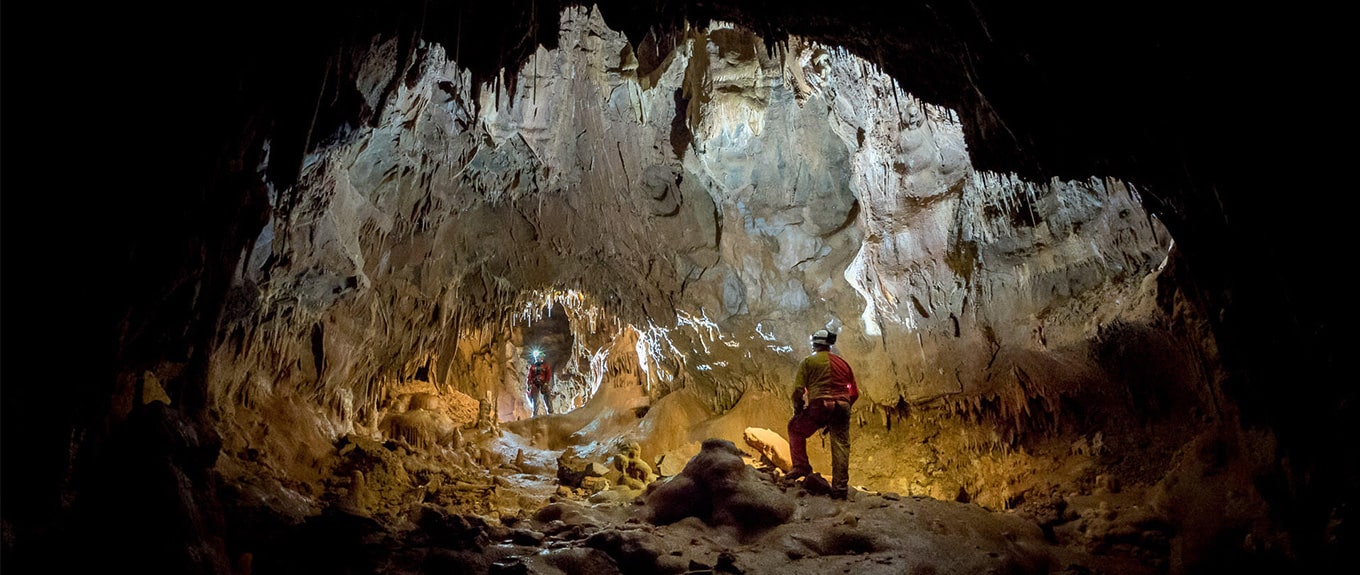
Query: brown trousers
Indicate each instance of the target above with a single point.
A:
(834, 415)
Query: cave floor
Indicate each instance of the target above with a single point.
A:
(540, 527)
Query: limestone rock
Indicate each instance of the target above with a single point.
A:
(771, 446)
(635, 551)
(632, 470)
(572, 468)
(718, 487)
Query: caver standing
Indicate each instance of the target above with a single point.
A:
(539, 383)
(823, 391)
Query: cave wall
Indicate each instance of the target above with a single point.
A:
(438, 220)
(809, 191)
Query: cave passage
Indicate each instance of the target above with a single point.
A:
(322, 353)
(382, 325)
(432, 253)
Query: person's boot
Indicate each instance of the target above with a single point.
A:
(816, 484)
(797, 473)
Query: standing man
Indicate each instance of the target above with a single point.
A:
(539, 383)
(823, 392)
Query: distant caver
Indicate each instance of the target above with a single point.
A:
(539, 384)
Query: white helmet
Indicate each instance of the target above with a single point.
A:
(823, 337)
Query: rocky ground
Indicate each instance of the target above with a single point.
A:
(534, 510)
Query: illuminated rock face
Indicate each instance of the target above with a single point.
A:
(686, 229)
(814, 193)
(716, 209)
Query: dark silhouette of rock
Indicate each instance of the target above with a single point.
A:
(718, 487)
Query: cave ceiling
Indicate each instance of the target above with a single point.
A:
(720, 202)
(1192, 105)
(231, 107)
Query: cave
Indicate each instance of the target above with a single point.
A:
(279, 315)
